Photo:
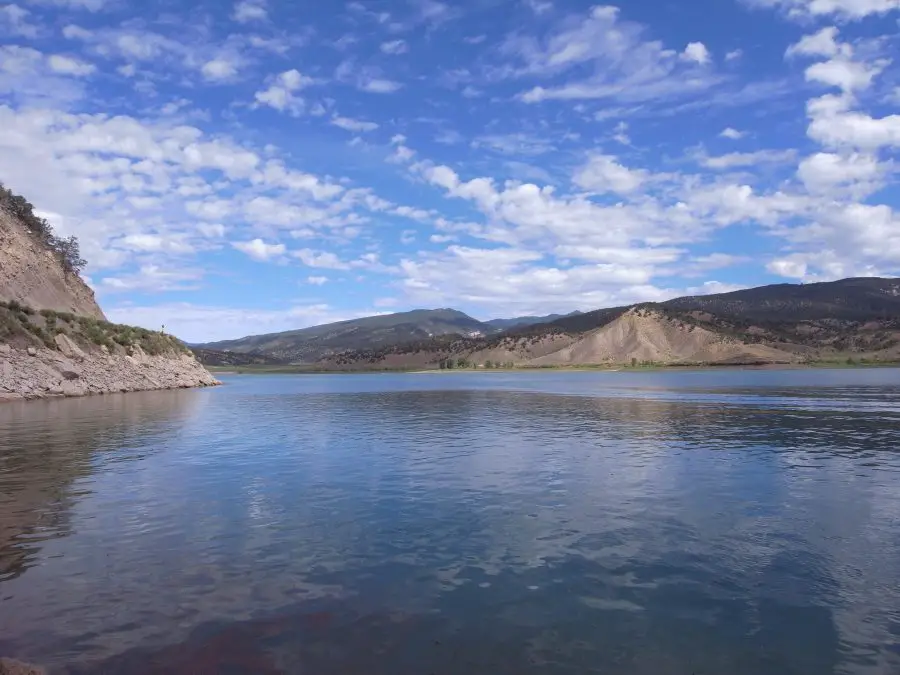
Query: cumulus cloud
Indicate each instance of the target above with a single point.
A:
(281, 94)
(259, 249)
(732, 134)
(697, 53)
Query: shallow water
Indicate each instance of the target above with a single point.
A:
(731, 521)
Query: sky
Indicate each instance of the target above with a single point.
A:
(236, 168)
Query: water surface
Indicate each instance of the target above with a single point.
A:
(643, 523)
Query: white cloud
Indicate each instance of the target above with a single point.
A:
(320, 259)
(151, 278)
(625, 65)
(792, 269)
(349, 124)
(822, 43)
(317, 281)
(828, 173)
(748, 159)
(90, 5)
(260, 250)
(603, 173)
(621, 134)
(378, 85)
(846, 9)
(281, 92)
(246, 11)
(201, 323)
(15, 19)
(539, 7)
(395, 47)
(734, 55)
(732, 133)
(697, 53)
(222, 68)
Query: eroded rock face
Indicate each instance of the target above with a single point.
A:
(13, 667)
(40, 373)
(29, 274)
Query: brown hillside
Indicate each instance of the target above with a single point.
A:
(648, 335)
(32, 275)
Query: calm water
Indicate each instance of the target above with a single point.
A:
(682, 523)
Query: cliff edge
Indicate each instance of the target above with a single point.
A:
(33, 265)
(54, 338)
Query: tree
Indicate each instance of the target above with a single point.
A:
(443, 364)
(488, 364)
(461, 362)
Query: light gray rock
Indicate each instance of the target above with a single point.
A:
(32, 351)
(13, 667)
(48, 373)
(67, 346)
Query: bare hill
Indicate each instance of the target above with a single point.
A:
(648, 335)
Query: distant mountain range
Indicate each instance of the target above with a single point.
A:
(781, 323)
(309, 345)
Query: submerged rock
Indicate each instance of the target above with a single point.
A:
(13, 667)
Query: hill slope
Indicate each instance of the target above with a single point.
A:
(308, 345)
(521, 321)
(784, 322)
(31, 273)
(648, 335)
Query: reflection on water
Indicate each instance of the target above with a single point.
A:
(721, 522)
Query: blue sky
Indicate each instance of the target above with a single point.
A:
(236, 168)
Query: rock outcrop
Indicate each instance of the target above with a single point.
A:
(32, 275)
(70, 371)
(13, 667)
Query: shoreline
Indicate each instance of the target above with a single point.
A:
(34, 374)
(300, 370)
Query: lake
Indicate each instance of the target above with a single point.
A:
(643, 523)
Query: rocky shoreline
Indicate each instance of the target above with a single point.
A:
(35, 373)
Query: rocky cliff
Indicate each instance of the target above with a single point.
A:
(33, 275)
(54, 338)
(41, 372)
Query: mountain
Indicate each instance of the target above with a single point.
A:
(308, 345)
(770, 324)
(506, 324)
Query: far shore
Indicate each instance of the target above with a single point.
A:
(617, 368)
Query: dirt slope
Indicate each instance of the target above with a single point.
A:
(33, 276)
(647, 335)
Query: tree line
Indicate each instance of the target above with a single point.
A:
(451, 363)
(66, 249)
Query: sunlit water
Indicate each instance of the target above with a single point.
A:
(670, 523)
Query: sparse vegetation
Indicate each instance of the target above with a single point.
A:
(23, 326)
(66, 249)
